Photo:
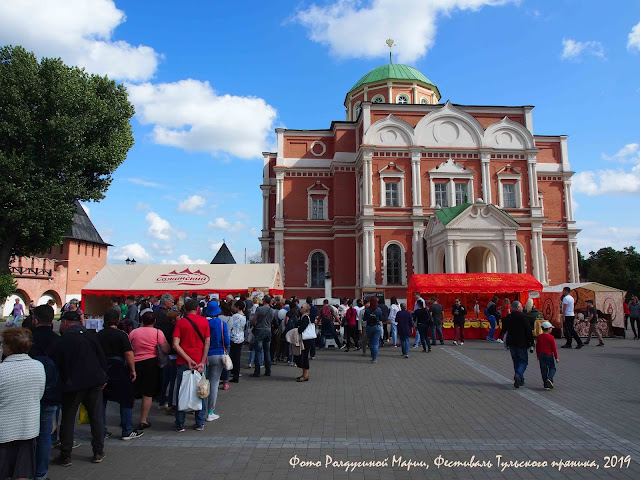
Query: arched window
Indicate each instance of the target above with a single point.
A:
(394, 265)
(402, 99)
(378, 99)
(519, 258)
(318, 269)
(357, 111)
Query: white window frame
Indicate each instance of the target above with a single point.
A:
(403, 95)
(376, 97)
(466, 192)
(523, 258)
(316, 190)
(453, 172)
(308, 263)
(384, 174)
(319, 201)
(387, 190)
(424, 101)
(403, 264)
(504, 197)
(518, 182)
(446, 194)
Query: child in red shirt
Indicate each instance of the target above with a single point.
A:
(547, 351)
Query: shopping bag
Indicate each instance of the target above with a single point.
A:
(188, 399)
(83, 415)
(227, 364)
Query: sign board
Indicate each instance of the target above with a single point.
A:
(374, 293)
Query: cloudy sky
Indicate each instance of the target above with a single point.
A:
(211, 81)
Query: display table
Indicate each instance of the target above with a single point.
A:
(473, 330)
(96, 324)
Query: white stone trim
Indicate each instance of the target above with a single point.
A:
(403, 264)
(384, 173)
(308, 264)
(403, 94)
(313, 144)
(510, 176)
(373, 100)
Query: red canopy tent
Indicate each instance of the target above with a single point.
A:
(471, 288)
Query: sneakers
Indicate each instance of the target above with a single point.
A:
(547, 388)
(108, 435)
(578, 347)
(416, 346)
(211, 417)
(550, 383)
(162, 406)
(98, 457)
(455, 343)
(199, 428)
(142, 426)
(133, 435)
(406, 356)
(500, 340)
(57, 444)
(225, 386)
(601, 344)
(63, 461)
(256, 375)
(516, 381)
(461, 343)
(178, 429)
(343, 347)
(250, 366)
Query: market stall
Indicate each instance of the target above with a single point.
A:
(608, 300)
(137, 280)
(472, 289)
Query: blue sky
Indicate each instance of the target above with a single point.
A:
(212, 80)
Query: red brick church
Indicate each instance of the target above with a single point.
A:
(407, 184)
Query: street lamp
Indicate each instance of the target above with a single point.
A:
(128, 261)
(133, 261)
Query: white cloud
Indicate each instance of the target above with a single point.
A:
(634, 38)
(185, 259)
(142, 207)
(162, 249)
(190, 115)
(215, 246)
(595, 236)
(223, 224)
(161, 229)
(572, 49)
(133, 251)
(191, 204)
(355, 29)
(612, 181)
(78, 31)
(144, 183)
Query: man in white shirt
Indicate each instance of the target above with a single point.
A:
(569, 317)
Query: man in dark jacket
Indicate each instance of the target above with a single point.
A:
(44, 348)
(519, 340)
(83, 371)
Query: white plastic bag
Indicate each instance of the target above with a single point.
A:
(188, 399)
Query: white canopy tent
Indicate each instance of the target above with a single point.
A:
(136, 280)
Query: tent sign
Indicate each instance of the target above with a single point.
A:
(185, 277)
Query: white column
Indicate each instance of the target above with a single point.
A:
(567, 200)
(572, 262)
(365, 258)
(470, 192)
(372, 256)
(456, 257)
(416, 252)
(535, 258)
(265, 208)
(507, 257)
(279, 195)
(432, 193)
(389, 99)
(449, 256)
(452, 193)
(514, 256)
(367, 179)
(533, 180)
(543, 267)
(486, 180)
(420, 253)
(416, 180)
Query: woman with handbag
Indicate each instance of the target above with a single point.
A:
(148, 345)
(307, 330)
(218, 349)
(236, 326)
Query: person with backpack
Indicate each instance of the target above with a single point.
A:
(592, 316)
(327, 328)
(44, 349)
(373, 320)
(423, 320)
(351, 329)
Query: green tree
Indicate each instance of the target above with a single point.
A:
(8, 287)
(63, 132)
(619, 269)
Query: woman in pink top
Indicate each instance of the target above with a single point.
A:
(144, 341)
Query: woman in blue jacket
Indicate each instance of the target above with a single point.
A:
(219, 344)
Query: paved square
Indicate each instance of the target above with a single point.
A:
(455, 404)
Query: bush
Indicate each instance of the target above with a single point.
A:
(8, 286)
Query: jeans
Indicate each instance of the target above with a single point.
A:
(373, 336)
(172, 400)
(434, 329)
(252, 355)
(635, 321)
(423, 329)
(263, 344)
(234, 352)
(328, 329)
(520, 358)
(126, 419)
(91, 398)
(458, 332)
(43, 440)
(417, 341)
(404, 343)
(394, 333)
(56, 432)
(214, 369)
(492, 330)
(180, 415)
(547, 367)
(570, 331)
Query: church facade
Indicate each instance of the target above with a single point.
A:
(407, 184)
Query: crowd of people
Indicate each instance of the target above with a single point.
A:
(150, 344)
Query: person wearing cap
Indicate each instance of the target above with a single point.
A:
(547, 351)
(519, 339)
(592, 316)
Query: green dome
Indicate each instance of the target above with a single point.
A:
(395, 72)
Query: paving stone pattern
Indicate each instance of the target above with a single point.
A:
(452, 404)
